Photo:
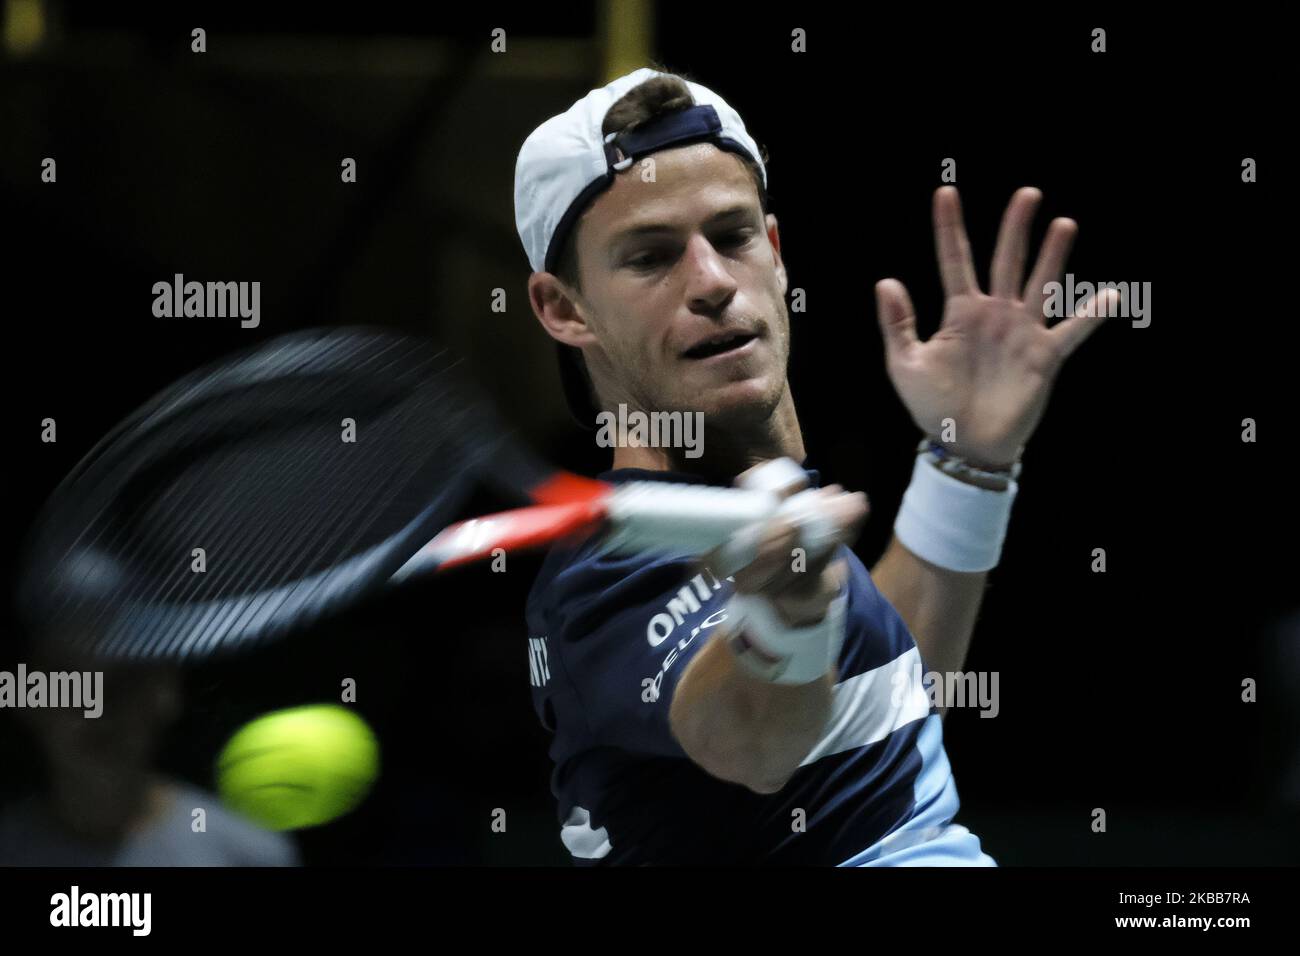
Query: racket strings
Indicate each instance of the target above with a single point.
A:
(310, 570)
(413, 468)
(254, 469)
(280, 553)
(136, 534)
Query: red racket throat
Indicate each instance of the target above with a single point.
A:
(577, 506)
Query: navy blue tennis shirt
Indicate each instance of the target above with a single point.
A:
(610, 637)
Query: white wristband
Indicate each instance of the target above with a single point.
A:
(778, 653)
(952, 524)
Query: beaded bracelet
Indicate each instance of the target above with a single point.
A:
(958, 467)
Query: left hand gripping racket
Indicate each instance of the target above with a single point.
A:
(293, 480)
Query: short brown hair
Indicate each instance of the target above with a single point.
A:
(655, 97)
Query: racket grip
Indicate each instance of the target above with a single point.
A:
(696, 519)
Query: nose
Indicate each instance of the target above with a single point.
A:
(710, 285)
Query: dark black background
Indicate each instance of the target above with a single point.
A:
(1119, 690)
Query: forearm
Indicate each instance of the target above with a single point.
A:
(744, 729)
(943, 515)
(938, 606)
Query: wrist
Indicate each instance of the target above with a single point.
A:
(952, 523)
(989, 482)
(972, 471)
(777, 653)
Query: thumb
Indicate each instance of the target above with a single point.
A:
(897, 317)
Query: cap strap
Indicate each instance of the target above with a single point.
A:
(697, 122)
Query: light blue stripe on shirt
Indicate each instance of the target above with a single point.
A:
(929, 838)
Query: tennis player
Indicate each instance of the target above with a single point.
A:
(778, 714)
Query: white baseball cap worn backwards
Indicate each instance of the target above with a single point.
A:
(566, 162)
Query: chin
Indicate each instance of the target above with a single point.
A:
(751, 401)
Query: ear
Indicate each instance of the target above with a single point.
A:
(560, 310)
(774, 237)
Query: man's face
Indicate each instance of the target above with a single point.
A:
(683, 290)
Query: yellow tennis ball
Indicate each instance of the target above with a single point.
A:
(299, 767)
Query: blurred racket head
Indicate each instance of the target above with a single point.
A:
(259, 493)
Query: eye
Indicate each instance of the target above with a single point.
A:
(736, 237)
(647, 260)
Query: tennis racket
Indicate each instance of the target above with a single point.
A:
(300, 477)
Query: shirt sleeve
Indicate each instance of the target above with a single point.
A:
(622, 630)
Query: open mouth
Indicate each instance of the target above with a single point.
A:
(720, 345)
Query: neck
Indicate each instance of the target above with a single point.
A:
(726, 452)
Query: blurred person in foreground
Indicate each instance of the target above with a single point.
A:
(101, 803)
